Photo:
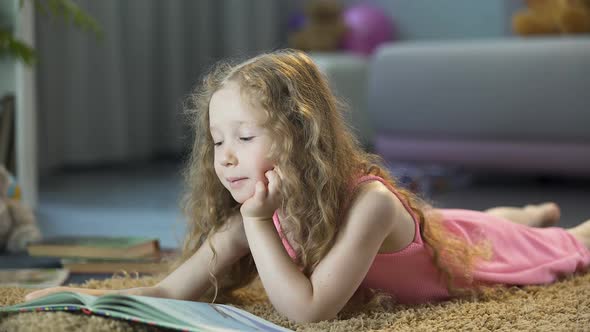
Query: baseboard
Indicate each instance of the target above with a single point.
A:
(541, 157)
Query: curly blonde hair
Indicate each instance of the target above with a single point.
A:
(318, 156)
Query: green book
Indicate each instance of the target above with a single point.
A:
(150, 265)
(95, 247)
(173, 314)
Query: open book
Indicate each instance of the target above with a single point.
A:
(174, 314)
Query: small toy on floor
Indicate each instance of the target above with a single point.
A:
(428, 179)
(18, 225)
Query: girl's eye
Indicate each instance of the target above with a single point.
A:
(217, 143)
(246, 139)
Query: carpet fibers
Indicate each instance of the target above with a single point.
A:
(562, 306)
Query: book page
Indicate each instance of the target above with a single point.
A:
(52, 301)
(210, 317)
(243, 315)
(127, 307)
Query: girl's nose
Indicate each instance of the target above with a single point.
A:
(228, 157)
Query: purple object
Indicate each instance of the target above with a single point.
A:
(367, 28)
(296, 21)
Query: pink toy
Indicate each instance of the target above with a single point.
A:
(368, 27)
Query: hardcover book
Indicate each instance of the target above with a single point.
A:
(95, 247)
(148, 265)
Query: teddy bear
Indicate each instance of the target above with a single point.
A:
(18, 226)
(323, 30)
(543, 17)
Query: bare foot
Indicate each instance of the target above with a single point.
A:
(582, 232)
(548, 214)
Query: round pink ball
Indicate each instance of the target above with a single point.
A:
(367, 28)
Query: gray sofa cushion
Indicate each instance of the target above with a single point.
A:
(503, 90)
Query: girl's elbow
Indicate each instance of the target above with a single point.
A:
(310, 316)
(306, 309)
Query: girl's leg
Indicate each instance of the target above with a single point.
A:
(541, 215)
(582, 232)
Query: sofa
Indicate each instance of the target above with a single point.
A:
(509, 104)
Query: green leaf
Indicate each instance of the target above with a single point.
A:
(71, 13)
(66, 9)
(9, 46)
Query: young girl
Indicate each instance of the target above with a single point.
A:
(280, 188)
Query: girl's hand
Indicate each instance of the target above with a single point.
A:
(266, 200)
(47, 291)
(43, 292)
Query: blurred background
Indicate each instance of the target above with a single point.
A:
(99, 137)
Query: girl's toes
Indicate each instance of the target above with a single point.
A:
(551, 214)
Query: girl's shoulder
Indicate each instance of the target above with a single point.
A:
(375, 205)
(370, 187)
(376, 187)
(373, 197)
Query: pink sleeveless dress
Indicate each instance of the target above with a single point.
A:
(521, 255)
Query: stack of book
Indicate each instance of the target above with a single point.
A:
(100, 254)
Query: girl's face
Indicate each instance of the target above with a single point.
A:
(241, 143)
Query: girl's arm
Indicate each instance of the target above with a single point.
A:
(370, 219)
(191, 279)
(145, 291)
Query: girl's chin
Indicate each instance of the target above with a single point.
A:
(240, 198)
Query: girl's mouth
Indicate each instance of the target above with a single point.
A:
(237, 182)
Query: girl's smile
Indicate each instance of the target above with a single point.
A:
(235, 183)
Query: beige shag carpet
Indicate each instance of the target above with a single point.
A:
(563, 306)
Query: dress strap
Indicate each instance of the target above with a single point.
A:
(286, 244)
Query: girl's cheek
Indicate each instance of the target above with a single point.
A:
(251, 190)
